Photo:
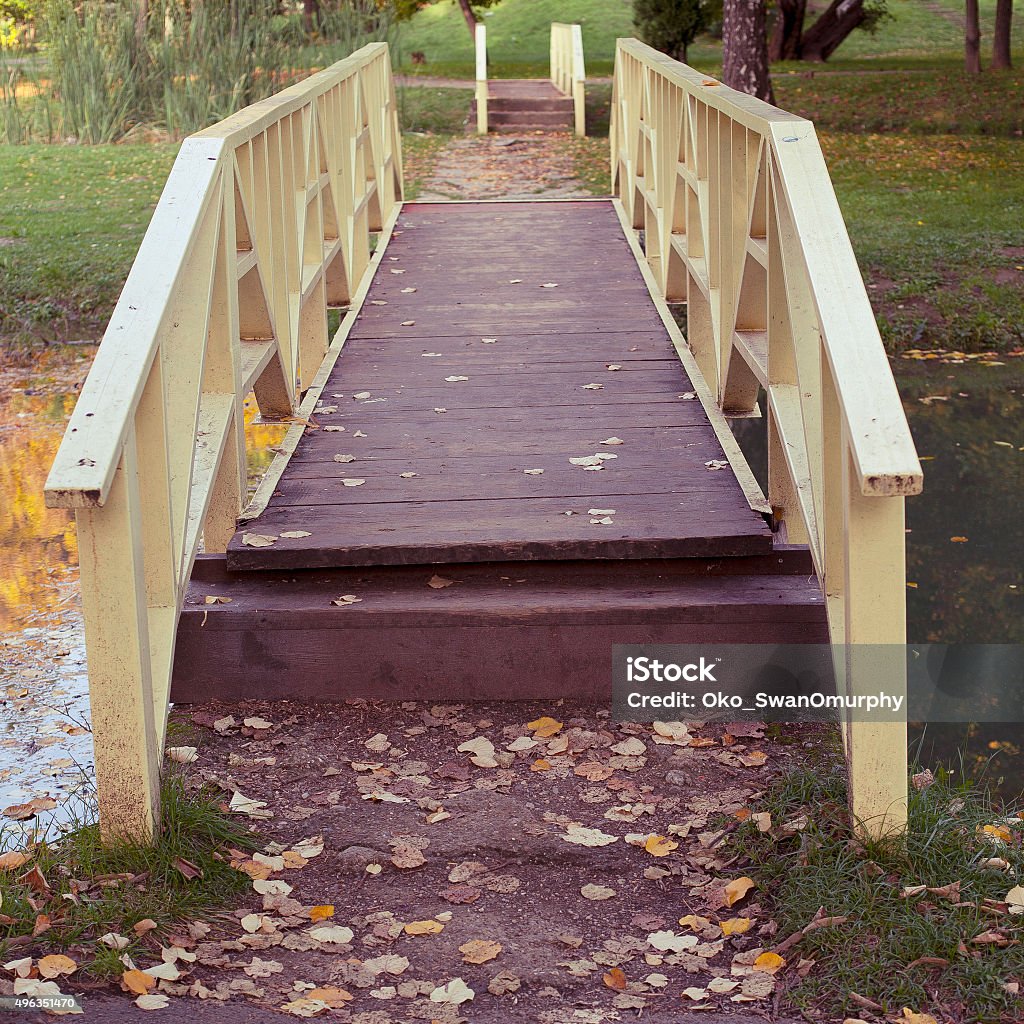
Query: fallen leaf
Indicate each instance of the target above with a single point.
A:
(694, 993)
(612, 440)
(455, 992)
(137, 981)
(55, 965)
(482, 750)
(659, 846)
(544, 727)
(479, 951)
(187, 868)
(407, 856)
(13, 860)
(346, 599)
(334, 933)
(769, 963)
(581, 836)
(352, 481)
(322, 912)
(616, 979)
(183, 755)
(737, 889)
(596, 892)
(424, 928)
(439, 582)
(153, 1001)
(258, 540)
(736, 925)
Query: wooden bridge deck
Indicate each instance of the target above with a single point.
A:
(481, 356)
(497, 343)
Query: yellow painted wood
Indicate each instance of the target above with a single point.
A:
(568, 72)
(742, 223)
(264, 222)
(481, 79)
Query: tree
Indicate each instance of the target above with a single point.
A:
(470, 10)
(1001, 37)
(670, 25)
(791, 41)
(745, 48)
(972, 39)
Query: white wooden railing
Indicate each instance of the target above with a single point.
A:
(263, 224)
(568, 73)
(741, 223)
(480, 40)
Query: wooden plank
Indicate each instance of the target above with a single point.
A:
(526, 404)
(542, 629)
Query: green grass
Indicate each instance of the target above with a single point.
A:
(876, 953)
(119, 885)
(425, 109)
(518, 36)
(71, 220)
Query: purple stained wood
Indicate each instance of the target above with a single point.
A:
(579, 356)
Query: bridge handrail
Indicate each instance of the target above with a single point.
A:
(568, 72)
(264, 223)
(741, 223)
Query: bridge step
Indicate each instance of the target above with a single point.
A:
(485, 631)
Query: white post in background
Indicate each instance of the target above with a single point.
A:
(579, 76)
(481, 79)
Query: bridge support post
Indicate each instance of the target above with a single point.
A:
(875, 613)
(127, 751)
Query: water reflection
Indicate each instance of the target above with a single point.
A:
(45, 743)
(965, 540)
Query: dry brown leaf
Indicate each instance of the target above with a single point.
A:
(137, 981)
(424, 928)
(55, 965)
(616, 979)
(479, 951)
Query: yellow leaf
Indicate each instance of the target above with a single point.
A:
(332, 996)
(616, 979)
(737, 889)
(737, 925)
(909, 1017)
(769, 963)
(544, 726)
(660, 846)
(996, 832)
(424, 928)
(540, 765)
(322, 912)
(55, 965)
(479, 951)
(138, 982)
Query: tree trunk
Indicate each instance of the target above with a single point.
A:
(1001, 38)
(467, 13)
(835, 24)
(788, 30)
(310, 15)
(745, 48)
(141, 22)
(972, 39)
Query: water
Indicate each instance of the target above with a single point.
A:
(45, 742)
(966, 419)
(965, 539)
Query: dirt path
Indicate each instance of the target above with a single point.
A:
(533, 165)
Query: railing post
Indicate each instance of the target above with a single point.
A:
(579, 76)
(127, 749)
(481, 79)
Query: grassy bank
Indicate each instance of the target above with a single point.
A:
(922, 922)
(96, 904)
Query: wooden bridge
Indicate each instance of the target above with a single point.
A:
(508, 457)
